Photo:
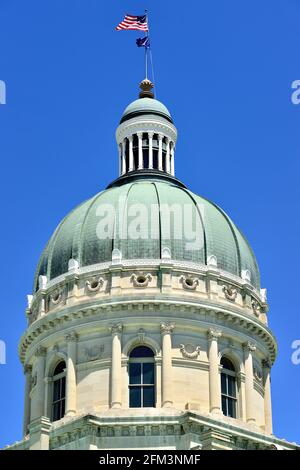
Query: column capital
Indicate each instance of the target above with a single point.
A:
(71, 337)
(130, 138)
(140, 135)
(160, 136)
(150, 135)
(214, 333)
(249, 346)
(27, 369)
(167, 328)
(168, 140)
(266, 363)
(116, 329)
(41, 351)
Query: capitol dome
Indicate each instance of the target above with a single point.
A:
(147, 327)
(77, 237)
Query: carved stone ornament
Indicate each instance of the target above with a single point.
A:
(189, 282)
(248, 346)
(56, 296)
(263, 295)
(41, 351)
(141, 280)
(116, 329)
(167, 328)
(141, 335)
(189, 351)
(93, 353)
(94, 284)
(214, 333)
(230, 293)
(255, 307)
(71, 337)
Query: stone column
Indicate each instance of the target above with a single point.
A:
(249, 396)
(27, 372)
(116, 366)
(120, 159)
(160, 165)
(150, 137)
(123, 157)
(172, 159)
(168, 155)
(166, 380)
(214, 376)
(140, 137)
(71, 382)
(267, 398)
(39, 396)
(130, 138)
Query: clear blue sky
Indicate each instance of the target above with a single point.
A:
(224, 69)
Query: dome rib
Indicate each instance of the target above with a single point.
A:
(83, 225)
(202, 223)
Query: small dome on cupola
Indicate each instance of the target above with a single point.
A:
(146, 104)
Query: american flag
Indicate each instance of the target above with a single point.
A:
(132, 22)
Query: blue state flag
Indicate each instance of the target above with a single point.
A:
(143, 42)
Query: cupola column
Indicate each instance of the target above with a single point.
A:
(130, 138)
(160, 164)
(168, 155)
(38, 403)
(123, 157)
(267, 397)
(166, 380)
(140, 137)
(249, 348)
(120, 159)
(150, 137)
(214, 376)
(116, 366)
(71, 382)
(28, 376)
(172, 160)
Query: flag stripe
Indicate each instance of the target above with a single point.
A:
(131, 22)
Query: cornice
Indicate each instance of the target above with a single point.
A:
(235, 319)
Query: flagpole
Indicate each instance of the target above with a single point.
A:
(146, 48)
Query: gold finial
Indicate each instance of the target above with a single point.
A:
(146, 86)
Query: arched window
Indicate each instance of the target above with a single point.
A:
(228, 388)
(141, 378)
(59, 391)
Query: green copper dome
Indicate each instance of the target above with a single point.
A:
(143, 106)
(80, 237)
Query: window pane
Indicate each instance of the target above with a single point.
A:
(224, 407)
(59, 368)
(141, 351)
(135, 397)
(148, 396)
(227, 364)
(63, 387)
(148, 373)
(56, 412)
(134, 373)
(231, 408)
(62, 408)
(231, 386)
(56, 390)
(223, 384)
